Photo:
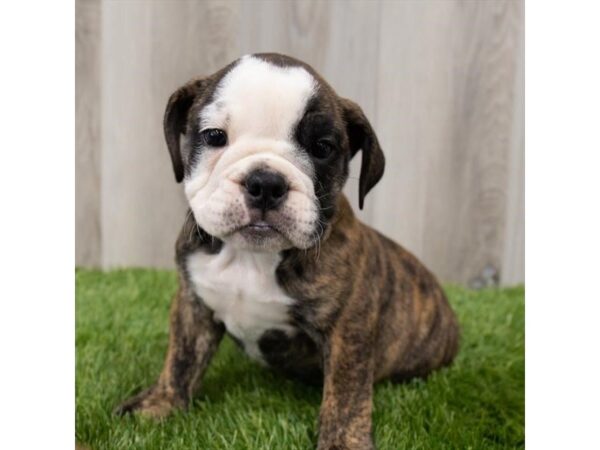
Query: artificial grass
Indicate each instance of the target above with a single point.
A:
(122, 329)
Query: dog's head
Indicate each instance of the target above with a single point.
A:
(263, 147)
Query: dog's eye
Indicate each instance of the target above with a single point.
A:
(322, 149)
(214, 137)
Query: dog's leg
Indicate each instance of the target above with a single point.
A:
(345, 416)
(194, 338)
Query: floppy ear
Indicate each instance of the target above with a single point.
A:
(175, 120)
(362, 137)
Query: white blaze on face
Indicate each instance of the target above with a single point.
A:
(258, 104)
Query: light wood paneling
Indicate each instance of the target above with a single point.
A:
(448, 75)
(88, 236)
(513, 245)
(441, 81)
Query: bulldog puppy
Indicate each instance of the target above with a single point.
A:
(272, 254)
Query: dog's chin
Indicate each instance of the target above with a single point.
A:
(258, 237)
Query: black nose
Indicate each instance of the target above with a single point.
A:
(265, 189)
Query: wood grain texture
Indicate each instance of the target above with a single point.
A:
(441, 81)
(513, 260)
(448, 138)
(88, 235)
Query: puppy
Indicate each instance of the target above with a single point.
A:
(272, 254)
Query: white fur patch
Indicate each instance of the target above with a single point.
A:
(259, 99)
(240, 287)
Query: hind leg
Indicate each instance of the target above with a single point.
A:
(436, 350)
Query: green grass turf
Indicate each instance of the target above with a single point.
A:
(122, 326)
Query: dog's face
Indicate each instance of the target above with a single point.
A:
(263, 147)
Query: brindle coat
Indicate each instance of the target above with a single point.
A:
(366, 308)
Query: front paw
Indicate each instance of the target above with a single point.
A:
(362, 444)
(346, 443)
(155, 403)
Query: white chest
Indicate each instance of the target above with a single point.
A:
(240, 287)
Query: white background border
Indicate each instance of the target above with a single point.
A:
(37, 225)
(562, 208)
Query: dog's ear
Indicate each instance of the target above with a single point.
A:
(362, 137)
(175, 120)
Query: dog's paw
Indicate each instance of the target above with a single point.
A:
(368, 446)
(365, 443)
(154, 403)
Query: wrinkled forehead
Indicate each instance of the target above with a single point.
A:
(259, 99)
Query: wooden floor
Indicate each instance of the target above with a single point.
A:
(441, 81)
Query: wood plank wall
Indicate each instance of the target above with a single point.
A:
(442, 82)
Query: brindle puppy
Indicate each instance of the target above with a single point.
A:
(272, 253)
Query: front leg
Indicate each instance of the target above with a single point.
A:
(345, 416)
(193, 340)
